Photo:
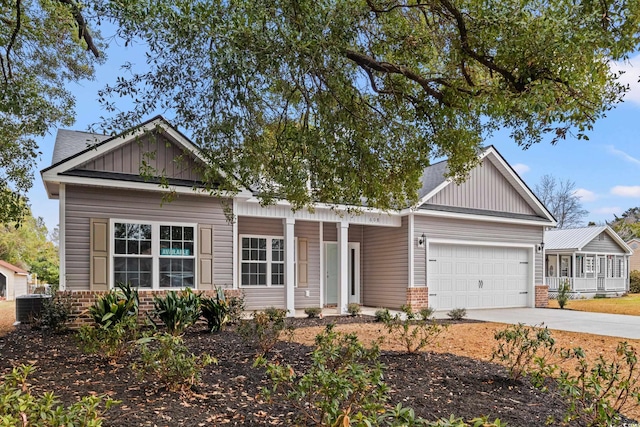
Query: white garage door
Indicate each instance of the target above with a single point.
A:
(462, 276)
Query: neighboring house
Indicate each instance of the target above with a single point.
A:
(13, 281)
(472, 245)
(634, 259)
(593, 260)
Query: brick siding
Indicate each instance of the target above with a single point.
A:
(418, 297)
(82, 300)
(542, 296)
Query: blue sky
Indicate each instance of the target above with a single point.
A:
(605, 169)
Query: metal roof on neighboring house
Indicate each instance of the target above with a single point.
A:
(577, 238)
(13, 268)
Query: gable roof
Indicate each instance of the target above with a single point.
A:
(578, 238)
(16, 270)
(74, 149)
(434, 181)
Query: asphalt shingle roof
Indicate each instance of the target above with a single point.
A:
(72, 142)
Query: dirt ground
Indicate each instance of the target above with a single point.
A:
(7, 316)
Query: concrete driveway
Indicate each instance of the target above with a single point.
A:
(614, 325)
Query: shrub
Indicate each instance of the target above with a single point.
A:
(215, 311)
(344, 381)
(411, 330)
(354, 309)
(112, 340)
(20, 407)
(235, 309)
(312, 312)
(563, 293)
(634, 282)
(457, 313)
(454, 421)
(264, 329)
(55, 312)
(519, 346)
(170, 362)
(596, 394)
(115, 306)
(427, 312)
(383, 315)
(177, 310)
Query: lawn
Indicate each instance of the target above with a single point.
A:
(454, 376)
(629, 304)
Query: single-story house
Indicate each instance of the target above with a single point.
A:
(477, 244)
(592, 260)
(13, 281)
(634, 259)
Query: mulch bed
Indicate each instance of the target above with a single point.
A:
(434, 385)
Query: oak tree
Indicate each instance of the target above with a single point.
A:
(44, 45)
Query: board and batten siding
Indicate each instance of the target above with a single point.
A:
(606, 245)
(157, 151)
(473, 231)
(384, 258)
(486, 189)
(84, 203)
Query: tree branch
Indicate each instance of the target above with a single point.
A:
(365, 61)
(14, 35)
(83, 30)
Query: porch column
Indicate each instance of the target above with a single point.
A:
(343, 266)
(289, 275)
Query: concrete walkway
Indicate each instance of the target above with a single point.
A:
(613, 325)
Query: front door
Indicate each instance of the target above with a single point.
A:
(331, 273)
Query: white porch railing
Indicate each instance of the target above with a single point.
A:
(595, 284)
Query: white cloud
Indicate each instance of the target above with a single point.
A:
(608, 210)
(585, 195)
(613, 150)
(521, 168)
(630, 77)
(626, 190)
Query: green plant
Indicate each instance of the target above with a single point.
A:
(427, 312)
(457, 313)
(411, 330)
(454, 421)
(354, 309)
(177, 310)
(265, 328)
(343, 383)
(112, 340)
(563, 293)
(170, 362)
(19, 407)
(520, 346)
(55, 312)
(235, 309)
(383, 315)
(634, 282)
(215, 311)
(115, 306)
(596, 394)
(313, 312)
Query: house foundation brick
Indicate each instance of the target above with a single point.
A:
(418, 297)
(82, 300)
(542, 296)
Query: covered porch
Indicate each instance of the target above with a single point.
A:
(587, 272)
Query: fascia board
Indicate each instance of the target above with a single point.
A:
(486, 218)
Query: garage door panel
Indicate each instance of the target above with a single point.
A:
(456, 271)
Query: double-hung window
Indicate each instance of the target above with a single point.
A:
(262, 261)
(154, 255)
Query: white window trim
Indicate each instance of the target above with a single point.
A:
(155, 251)
(589, 265)
(269, 260)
